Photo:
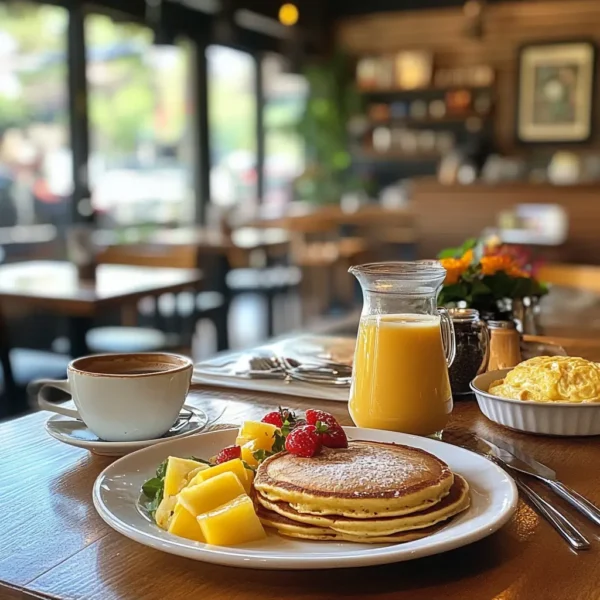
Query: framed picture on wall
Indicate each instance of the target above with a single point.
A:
(555, 92)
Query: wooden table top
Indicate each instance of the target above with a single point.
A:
(54, 545)
(55, 286)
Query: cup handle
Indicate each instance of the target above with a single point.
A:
(448, 337)
(45, 404)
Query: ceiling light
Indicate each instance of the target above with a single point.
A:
(288, 14)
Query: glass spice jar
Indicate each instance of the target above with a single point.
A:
(472, 348)
(505, 345)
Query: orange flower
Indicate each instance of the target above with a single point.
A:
(490, 265)
(467, 258)
(455, 267)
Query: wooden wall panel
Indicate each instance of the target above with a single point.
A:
(507, 26)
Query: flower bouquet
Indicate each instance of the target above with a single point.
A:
(488, 276)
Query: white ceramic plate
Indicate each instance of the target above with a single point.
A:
(117, 491)
(75, 433)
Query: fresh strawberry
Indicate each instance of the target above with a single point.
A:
(303, 441)
(274, 418)
(313, 416)
(333, 437)
(227, 454)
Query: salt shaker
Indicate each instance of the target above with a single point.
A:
(472, 348)
(505, 345)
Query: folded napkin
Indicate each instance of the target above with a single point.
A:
(273, 386)
(220, 371)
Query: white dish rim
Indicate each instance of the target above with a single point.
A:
(501, 373)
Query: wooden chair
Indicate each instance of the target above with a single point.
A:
(266, 272)
(170, 320)
(20, 366)
(315, 248)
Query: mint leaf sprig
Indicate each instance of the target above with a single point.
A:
(154, 487)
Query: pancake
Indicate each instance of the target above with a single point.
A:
(456, 501)
(366, 480)
(289, 528)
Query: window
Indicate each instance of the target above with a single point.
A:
(140, 163)
(35, 157)
(285, 96)
(232, 126)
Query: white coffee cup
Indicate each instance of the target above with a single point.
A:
(124, 397)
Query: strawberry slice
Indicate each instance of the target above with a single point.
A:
(227, 454)
(274, 418)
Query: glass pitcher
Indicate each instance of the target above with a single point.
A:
(404, 347)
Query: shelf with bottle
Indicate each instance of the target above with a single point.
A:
(429, 91)
(369, 154)
(412, 73)
(447, 121)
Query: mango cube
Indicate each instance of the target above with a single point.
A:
(164, 511)
(177, 472)
(263, 433)
(195, 472)
(231, 524)
(235, 466)
(248, 450)
(211, 494)
(241, 440)
(184, 524)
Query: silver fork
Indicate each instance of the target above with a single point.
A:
(263, 367)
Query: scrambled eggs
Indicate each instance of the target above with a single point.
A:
(551, 379)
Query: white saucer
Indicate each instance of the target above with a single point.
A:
(76, 433)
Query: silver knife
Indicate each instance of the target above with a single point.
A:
(560, 522)
(529, 466)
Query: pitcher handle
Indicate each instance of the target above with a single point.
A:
(448, 337)
(485, 342)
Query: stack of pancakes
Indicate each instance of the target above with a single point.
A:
(369, 492)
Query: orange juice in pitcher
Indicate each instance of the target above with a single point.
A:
(404, 346)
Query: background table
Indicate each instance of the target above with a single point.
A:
(54, 545)
(55, 287)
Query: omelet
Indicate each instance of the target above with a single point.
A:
(551, 379)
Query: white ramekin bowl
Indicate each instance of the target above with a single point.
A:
(544, 418)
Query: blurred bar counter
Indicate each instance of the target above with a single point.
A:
(446, 215)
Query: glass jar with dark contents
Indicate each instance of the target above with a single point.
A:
(472, 348)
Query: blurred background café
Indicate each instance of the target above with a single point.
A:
(198, 175)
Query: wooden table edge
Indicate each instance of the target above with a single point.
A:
(19, 593)
(87, 308)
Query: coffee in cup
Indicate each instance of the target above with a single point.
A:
(124, 397)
